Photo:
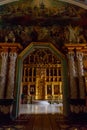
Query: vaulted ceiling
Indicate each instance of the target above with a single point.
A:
(81, 3)
(26, 11)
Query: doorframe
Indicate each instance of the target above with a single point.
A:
(22, 56)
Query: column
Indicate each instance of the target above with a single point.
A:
(60, 89)
(73, 74)
(37, 80)
(45, 90)
(4, 56)
(60, 84)
(52, 89)
(81, 75)
(11, 75)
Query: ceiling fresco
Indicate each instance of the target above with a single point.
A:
(36, 9)
(54, 21)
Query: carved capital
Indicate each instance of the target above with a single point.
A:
(13, 54)
(4, 55)
(79, 56)
(71, 55)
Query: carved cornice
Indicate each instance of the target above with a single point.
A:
(79, 47)
(13, 47)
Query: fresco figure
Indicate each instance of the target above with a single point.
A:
(74, 34)
(72, 37)
(11, 37)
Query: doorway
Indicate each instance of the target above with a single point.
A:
(44, 73)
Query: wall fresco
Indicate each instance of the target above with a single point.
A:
(43, 20)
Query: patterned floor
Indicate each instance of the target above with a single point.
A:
(43, 122)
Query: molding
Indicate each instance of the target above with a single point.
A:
(74, 2)
(77, 3)
(2, 2)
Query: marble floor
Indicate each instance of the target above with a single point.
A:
(41, 107)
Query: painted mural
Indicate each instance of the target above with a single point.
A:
(58, 22)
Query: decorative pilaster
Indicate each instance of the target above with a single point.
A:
(11, 75)
(78, 105)
(4, 56)
(73, 73)
(7, 106)
(81, 75)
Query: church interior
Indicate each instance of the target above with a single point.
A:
(43, 64)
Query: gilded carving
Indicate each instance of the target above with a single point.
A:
(42, 68)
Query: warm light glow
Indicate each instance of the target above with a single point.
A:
(37, 3)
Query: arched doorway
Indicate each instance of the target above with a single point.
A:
(41, 71)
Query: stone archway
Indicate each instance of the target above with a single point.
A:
(23, 55)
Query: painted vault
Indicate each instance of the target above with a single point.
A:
(41, 20)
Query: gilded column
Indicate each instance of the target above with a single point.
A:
(11, 75)
(4, 56)
(81, 75)
(52, 95)
(73, 74)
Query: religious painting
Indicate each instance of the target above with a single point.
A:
(56, 89)
(25, 89)
(32, 89)
(49, 90)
